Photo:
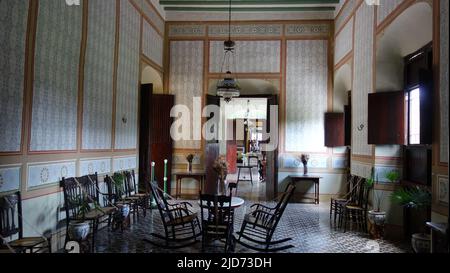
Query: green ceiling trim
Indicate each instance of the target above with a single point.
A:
(247, 2)
(206, 9)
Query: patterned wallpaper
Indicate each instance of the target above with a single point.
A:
(124, 163)
(13, 28)
(362, 78)
(251, 56)
(127, 78)
(360, 169)
(186, 78)
(152, 44)
(98, 165)
(385, 8)
(55, 94)
(151, 14)
(444, 78)
(9, 178)
(345, 13)
(306, 95)
(98, 71)
(307, 29)
(344, 42)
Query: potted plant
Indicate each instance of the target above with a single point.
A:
(79, 229)
(119, 180)
(416, 201)
(377, 217)
(190, 159)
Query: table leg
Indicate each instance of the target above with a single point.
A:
(318, 192)
(239, 175)
(251, 175)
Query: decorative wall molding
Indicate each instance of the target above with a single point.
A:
(13, 29)
(48, 173)
(151, 14)
(124, 163)
(186, 79)
(152, 44)
(10, 178)
(306, 95)
(187, 30)
(385, 8)
(444, 78)
(55, 93)
(362, 78)
(343, 42)
(307, 29)
(127, 78)
(246, 30)
(95, 165)
(251, 56)
(98, 71)
(345, 13)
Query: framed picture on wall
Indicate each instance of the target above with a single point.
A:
(443, 190)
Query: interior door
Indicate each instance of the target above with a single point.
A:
(161, 141)
(272, 155)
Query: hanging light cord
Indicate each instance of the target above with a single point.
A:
(229, 22)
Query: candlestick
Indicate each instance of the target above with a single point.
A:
(165, 175)
(153, 171)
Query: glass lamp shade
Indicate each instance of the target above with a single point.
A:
(228, 88)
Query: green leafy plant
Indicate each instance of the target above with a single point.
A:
(119, 180)
(393, 176)
(414, 197)
(378, 196)
(84, 206)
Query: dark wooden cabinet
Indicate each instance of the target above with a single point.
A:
(348, 125)
(334, 129)
(386, 118)
(145, 129)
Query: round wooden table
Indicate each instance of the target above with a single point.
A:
(236, 202)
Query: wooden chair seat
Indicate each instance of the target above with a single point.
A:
(185, 219)
(28, 242)
(252, 220)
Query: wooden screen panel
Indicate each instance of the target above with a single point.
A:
(417, 165)
(386, 119)
(162, 144)
(334, 130)
(145, 130)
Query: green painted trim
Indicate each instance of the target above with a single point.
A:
(246, 2)
(201, 9)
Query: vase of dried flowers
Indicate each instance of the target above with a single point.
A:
(305, 159)
(221, 168)
(190, 159)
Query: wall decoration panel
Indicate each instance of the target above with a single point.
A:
(187, 30)
(306, 95)
(152, 44)
(344, 42)
(442, 190)
(251, 56)
(444, 78)
(247, 30)
(127, 78)
(98, 71)
(362, 78)
(361, 169)
(44, 174)
(151, 14)
(13, 29)
(316, 162)
(380, 172)
(307, 29)
(345, 13)
(339, 163)
(9, 178)
(55, 93)
(98, 165)
(186, 79)
(124, 163)
(385, 8)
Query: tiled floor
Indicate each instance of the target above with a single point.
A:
(307, 224)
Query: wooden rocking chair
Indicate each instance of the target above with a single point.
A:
(179, 222)
(260, 225)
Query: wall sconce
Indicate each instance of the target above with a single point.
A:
(124, 119)
(360, 127)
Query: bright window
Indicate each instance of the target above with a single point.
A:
(413, 100)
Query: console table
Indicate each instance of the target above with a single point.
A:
(309, 178)
(199, 176)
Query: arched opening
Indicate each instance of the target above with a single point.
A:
(409, 32)
(151, 75)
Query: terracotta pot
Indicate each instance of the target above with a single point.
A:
(421, 243)
(78, 231)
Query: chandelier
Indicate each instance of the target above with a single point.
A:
(228, 88)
